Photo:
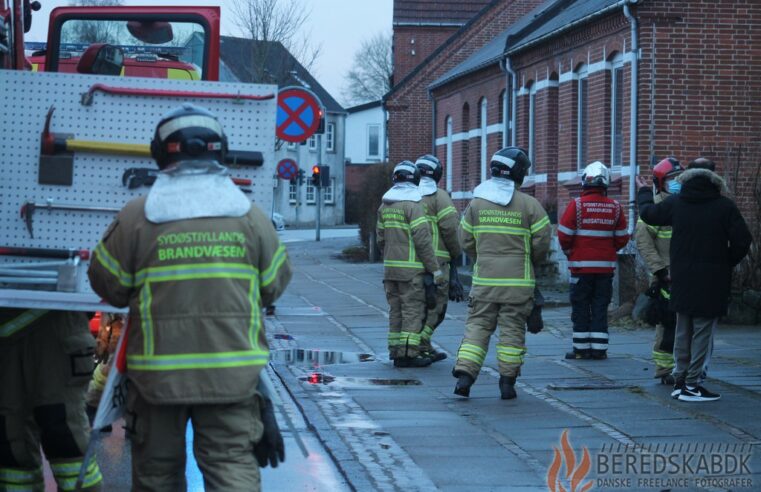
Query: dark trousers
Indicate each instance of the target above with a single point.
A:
(590, 297)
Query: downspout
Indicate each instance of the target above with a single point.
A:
(513, 99)
(633, 116)
(433, 123)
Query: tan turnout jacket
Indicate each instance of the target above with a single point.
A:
(405, 239)
(653, 242)
(195, 289)
(444, 220)
(505, 241)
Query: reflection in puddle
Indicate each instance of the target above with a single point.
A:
(349, 382)
(317, 358)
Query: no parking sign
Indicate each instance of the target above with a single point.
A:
(298, 114)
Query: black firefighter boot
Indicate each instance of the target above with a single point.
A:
(464, 382)
(507, 387)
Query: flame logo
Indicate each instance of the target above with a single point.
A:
(573, 475)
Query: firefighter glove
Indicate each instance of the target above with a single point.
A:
(270, 449)
(663, 276)
(534, 322)
(430, 290)
(456, 292)
(438, 277)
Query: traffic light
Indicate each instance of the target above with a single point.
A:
(321, 127)
(316, 176)
(324, 176)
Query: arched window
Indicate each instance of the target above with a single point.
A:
(616, 109)
(582, 116)
(484, 127)
(448, 165)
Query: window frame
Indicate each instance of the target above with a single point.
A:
(311, 190)
(531, 126)
(332, 189)
(582, 117)
(293, 191)
(330, 137)
(617, 111)
(377, 155)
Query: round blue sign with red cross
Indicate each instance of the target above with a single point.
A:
(287, 169)
(298, 114)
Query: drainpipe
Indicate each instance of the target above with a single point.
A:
(633, 116)
(433, 123)
(508, 67)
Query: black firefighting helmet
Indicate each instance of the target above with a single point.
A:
(511, 163)
(188, 133)
(406, 172)
(429, 166)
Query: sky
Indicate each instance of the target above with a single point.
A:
(339, 26)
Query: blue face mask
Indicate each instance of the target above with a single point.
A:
(674, 187)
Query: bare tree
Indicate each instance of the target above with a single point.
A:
(370, 78)
(81, 31)
(279, 21)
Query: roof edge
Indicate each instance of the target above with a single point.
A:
(566, 27)
(441, 47)
(486, 63)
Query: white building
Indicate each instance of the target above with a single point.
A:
(365, 134)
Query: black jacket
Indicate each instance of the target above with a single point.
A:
(709, 239)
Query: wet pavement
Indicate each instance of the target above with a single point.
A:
(370, 426)
(416, 435)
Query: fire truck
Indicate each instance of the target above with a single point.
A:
(79, 114)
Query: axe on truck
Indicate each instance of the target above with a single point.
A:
(53, 144)
(30, 207)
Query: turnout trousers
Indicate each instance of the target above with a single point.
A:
(43, 377)
(406, 314)
(483, 319)
(590, 297)
(434, 317)
(224, 436)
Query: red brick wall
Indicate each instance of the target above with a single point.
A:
(408, 106)
(413, 44)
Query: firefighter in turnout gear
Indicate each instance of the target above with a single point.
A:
(653, 243)
(195, 261)
(405, 239)
(443, 219)
(46, 361)
(506, 232)
(591, 230)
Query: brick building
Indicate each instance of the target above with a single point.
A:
(556, 78)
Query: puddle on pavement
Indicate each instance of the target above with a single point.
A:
(282, 336)
(317, 358)
(589, 387)
(350, 382)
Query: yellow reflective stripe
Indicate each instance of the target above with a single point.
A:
(466, 226)
(666, 294)
(270, 273)
(402, 264)
(114, 267)
(664, 234)
(66, 474)
(21, 321)
(498, 229)
(146, 325)
(427, 333)
(504, 282)
(418, 222)
(255, 323)
(526, 258)
(379, 225)
(446, 211)
(510, 354)
(394, 339)
(393, 224)
(538, 226)
(407, 338)
(471, 352)
(35, 67)
(197, 361)
(195, 271)
(18, 476)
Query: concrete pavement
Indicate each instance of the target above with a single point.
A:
(403, 429)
